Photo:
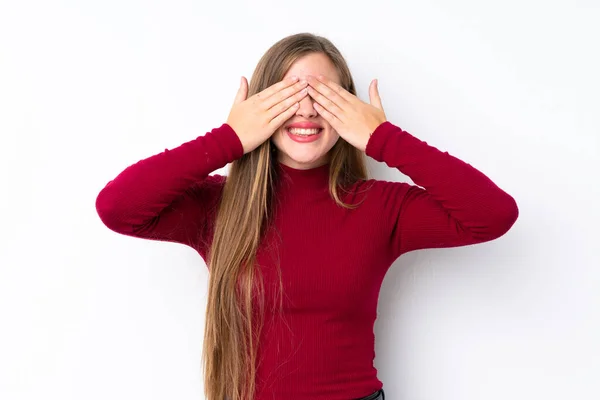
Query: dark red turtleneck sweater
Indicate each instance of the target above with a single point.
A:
(332, 260)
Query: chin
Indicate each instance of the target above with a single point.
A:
(307, 160)
(301, 159)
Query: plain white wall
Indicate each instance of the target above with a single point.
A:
(87, 88)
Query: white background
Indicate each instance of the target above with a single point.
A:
(89, 87)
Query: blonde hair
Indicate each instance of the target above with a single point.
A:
(230, 342)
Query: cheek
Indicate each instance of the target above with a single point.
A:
(335, 139)
(329, 128)
(333, 133)
(332, 139)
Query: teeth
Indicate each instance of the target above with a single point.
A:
(303, 132)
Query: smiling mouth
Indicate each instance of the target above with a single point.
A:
(304, 132)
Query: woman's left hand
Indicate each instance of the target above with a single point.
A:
(353, 119)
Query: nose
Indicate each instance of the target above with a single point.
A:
(306, 109)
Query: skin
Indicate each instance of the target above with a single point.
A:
(340, 113)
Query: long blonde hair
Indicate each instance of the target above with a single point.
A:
(245, 209)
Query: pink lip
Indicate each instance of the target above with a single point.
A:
(305, 125)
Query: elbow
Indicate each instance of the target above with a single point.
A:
(502, 218)
(107, 208)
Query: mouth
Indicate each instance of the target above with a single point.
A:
(303, 132)
(304, 135)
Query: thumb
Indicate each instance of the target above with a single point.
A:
(374, 94)
(242, 92)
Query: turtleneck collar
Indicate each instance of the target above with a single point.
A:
(305, 179)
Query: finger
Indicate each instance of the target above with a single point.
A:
(329, 117)
(326, 103)
(287, 103)
(331, 89)
(284, 116)
(284, 94)
(268, 92)
(242, 92)
(374, 94)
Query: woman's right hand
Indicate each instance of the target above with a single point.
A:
(254, 120)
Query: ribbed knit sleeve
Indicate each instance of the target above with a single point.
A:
(454, 204)
(162, 197)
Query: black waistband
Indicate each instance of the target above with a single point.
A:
(377, 395)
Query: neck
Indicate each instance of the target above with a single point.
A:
(315, 178)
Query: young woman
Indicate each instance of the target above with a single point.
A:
(296, 238)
